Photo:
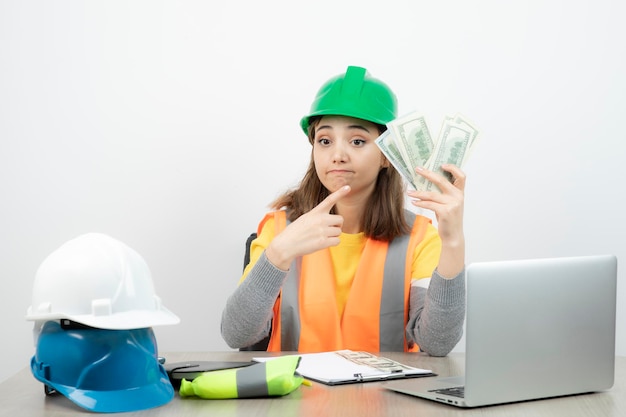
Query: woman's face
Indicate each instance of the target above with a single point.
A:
(345, 153)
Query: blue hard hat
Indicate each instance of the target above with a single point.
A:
(102, 370)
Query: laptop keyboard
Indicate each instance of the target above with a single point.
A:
(454, 391)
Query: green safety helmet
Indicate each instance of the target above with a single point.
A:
(354, 94)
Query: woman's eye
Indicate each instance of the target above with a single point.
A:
(358, 142)
(323, 141)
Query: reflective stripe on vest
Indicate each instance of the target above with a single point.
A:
(392, 261)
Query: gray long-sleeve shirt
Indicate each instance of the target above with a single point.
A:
(436, 313)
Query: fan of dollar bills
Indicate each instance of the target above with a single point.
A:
(407, 144)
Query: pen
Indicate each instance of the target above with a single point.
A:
(304, 380)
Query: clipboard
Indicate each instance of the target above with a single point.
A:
(348, 367)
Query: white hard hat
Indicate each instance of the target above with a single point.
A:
(100, 282)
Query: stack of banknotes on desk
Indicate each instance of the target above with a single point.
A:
(407, 144)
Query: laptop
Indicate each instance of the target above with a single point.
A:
(536, 328)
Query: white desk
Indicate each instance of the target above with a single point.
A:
(22, 395)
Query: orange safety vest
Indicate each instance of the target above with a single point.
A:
(305, 313)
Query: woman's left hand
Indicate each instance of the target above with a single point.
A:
(448, 208)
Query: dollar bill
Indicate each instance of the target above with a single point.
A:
(464, 123)
(413, 140)
(452, 144)
(407, 144)
(387, 146)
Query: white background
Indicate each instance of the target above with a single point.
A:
(170, 125)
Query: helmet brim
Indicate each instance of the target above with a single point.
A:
(116, 401)
(128, 320)
(305, 121)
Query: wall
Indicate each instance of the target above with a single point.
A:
(170, 125)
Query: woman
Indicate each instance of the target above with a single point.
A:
(339, 263)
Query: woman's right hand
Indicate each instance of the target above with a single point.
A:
(315, 230)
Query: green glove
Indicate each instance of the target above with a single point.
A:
(272, 378)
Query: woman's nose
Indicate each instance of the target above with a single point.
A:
(339, 153)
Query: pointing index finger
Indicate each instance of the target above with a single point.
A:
(330, 201)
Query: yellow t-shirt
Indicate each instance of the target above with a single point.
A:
(347, 255)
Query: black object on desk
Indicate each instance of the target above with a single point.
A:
(191, 369)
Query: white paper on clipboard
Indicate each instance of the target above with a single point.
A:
(348, 366)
